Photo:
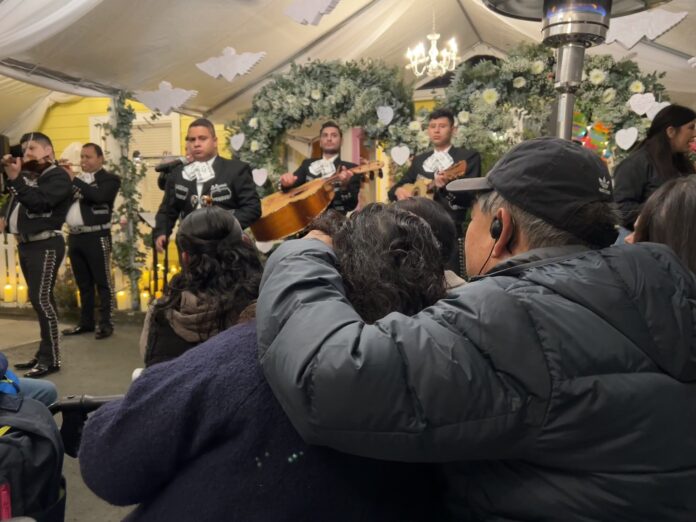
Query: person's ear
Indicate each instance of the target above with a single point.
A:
(671, 132)
(503, 244)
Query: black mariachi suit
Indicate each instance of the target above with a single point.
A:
(346, 199)
(44, 203)
(232, 188)
(473, 170)
(90, 251)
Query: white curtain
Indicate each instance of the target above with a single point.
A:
(24, 23)
(31, 118)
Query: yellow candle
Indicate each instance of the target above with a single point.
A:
(122, 300)
(145, 278)
(9, 295)
(77, 296)
(144, 301)
(22, 294)
(158, 295)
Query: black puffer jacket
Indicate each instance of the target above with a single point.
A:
(564, 386)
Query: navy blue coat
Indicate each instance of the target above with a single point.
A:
(202, 438)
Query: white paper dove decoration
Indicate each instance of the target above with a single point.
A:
(230, 64)
(692, 62)
(310, 11)
(628, 30)
(165, 99)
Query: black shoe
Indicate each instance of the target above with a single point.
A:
(77, 330)
(103, 333)
(29, 364)
(40, 370)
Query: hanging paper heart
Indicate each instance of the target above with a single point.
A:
(655, 108)
(625, 138)
(385, 114)
(260, 176)
(640, 103)
(400, 154)
(237, 141)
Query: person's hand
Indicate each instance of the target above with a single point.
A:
(287, 180)
(321, 236)
(13, 166)
(67, 166)
(160, 242)
(402, 193)
(344, 175)
(439, 180)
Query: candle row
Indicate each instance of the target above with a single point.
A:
(12, 294)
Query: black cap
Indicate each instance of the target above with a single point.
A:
(552, 179)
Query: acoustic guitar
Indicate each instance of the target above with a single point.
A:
(425, 187)
(286, 213)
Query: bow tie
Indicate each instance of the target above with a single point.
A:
(198, 171)
(322, 168)
(438, 162)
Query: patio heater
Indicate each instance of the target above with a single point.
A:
(571, 26)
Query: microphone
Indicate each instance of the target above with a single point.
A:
(169, 165)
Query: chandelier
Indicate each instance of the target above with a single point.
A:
(436, 62)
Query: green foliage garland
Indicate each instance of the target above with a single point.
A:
(346, 92)
(126, 253)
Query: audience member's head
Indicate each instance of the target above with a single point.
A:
(668, 139)
(219, 263)
(667, 218)
(545, 192)
(439, 220)
(389, 258)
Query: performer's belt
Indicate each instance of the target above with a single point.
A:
(83, 229)
(30, 238)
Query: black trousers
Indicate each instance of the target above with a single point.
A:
(90, 258)
(40, 261)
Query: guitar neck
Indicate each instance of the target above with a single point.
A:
(373, 166)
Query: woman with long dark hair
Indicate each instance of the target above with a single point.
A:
(202, 437)
(668, 217)
(221, 272)
(661, 156)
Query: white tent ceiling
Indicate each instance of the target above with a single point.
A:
(136, 44)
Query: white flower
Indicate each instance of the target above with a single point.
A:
(608, 95)
(519, 82)
(290, 99)
(490, 96)
(463, 116)
(637, 87)
(414, 126)
(316, 94)
(537, 67)
(597, 76)
(254, 123)
(254, 146)
(423, 140)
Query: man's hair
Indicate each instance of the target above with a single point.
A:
(333, 125)
(97, 149)
(439, 220)
(203, 122)
(442, 113)
(38, 137)
(667, 218)
(539, 233)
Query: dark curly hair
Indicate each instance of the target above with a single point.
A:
(223, 266)
(390, 261)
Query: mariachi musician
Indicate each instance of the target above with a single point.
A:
(431, 164)
(89, 242)
(40, 195)
(330, 163)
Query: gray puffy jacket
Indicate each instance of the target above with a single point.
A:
(561, 388)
